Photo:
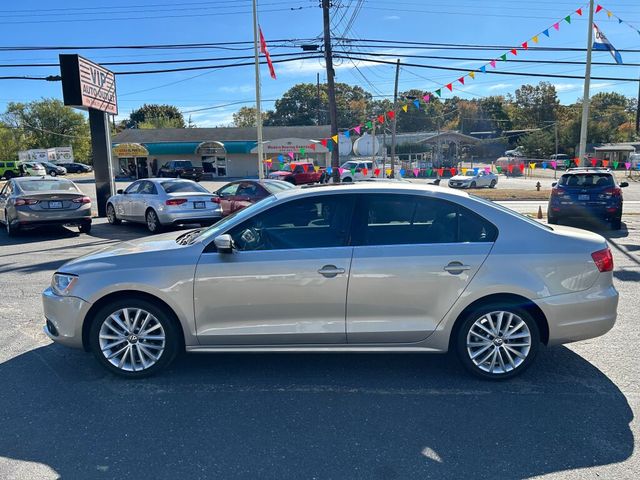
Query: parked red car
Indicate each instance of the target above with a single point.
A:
(298, 173)
(242, 193)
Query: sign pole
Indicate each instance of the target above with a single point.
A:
(101, 148)
(587, 83)
(258, 106)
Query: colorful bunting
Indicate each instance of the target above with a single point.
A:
(532, 165)
(305, 167)
(335, 139)
(594, 162)
(567, 19)
(579, 11)
(323, 142)
(453, 171)
(499, 168)
(554, 164)
(504, 57)
(391, 114)
(440, 171)
(429, 172)
(376, 172)
(450, 87)
(439, 92)
(525, 45)
(556, 25)
(577, 161)
(510, 168)
(514, 52)
(340, 170)
(380, 118)
(347, 134)
(522, 167)
(615, 165)
(544, 165)
(357, 129)
(605, 163)
(609, 14)
(598, 8)
(461, 80)
(365, 171)
(416, 172)
(329, 170)
(535, 39)
(369, 125)
(627, 165)
(388, 170)
(404, 108)
(426, 98)
(476, 170)
(464, 170)
(353, 171)
(290, 155)
(493, 63)
(472, 75)
(303, 151)
(487, 169)
(416, 102)
(402, 172)
(546, 32)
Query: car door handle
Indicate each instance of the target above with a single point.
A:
(456, 267)
(330, 271)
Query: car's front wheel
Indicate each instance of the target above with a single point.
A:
(133, 338)
(52, 173)
(152, 221)
(497, 341)
(111, 215)
(493, 184)
(473, 185)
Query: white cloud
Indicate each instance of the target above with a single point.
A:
(391, 17)
(499, 86)
(237, 88)
(566, 87)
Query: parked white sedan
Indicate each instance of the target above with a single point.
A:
(471, 179)
(161, 202)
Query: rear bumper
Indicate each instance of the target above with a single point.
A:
(190, 216)
(599, 211)
(35, 219)
(64, 316)
(581, 315)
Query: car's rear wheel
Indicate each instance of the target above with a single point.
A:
(84, 227)
(52, 173)
(133, 338)
(616, 223)
(497, 342)
(552, 220)
(347, 180)
(111, 215)
(493, 184)
(473, 185)
(11, 229)
(152, 221)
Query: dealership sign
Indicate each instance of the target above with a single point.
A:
(130, 150)
(87, 85)
(286, 145)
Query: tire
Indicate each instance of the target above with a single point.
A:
(473, 185)
(160, 347)
(347, 180)
(11, 230)
(552, 220)
(493, 184)
(52, 173)
(85, 227)
(111, 215)
(291, 180)
(494, 359)
(616, 223)
(9, 175)
(152, 221)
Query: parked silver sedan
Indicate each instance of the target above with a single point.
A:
(427, 270)
(29, 202)
(473, 179)
(161, 202)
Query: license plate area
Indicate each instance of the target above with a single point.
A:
(55, 204)
(583, 197)
(199, 205)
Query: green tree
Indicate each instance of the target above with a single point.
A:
(428, 117)
(246, 117)
(534, 105)
(12, 140)
(538, 144)
(160, 114)
(161, 122)
(49, 123)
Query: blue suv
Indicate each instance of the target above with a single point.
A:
(587, 193)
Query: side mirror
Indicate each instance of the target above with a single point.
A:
(224, 243)
(120, 192)
(554, 184)
(624, 184)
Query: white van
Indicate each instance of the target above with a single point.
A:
(634, 159)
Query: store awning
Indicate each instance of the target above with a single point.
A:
(172, 148)
(239, 147)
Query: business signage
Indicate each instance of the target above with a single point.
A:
(123, 150)
(87, 85)
(286, 145)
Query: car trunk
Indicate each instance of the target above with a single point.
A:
(194, 201)
(53, 201)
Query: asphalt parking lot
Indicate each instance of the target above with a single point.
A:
(572, 415)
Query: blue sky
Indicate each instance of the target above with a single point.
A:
(118, 22)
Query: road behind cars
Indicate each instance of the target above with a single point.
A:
(573, 415)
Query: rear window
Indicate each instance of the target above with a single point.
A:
(183, 164)
(586, 180)
(275, 187)
(47, 186)
(181, 186)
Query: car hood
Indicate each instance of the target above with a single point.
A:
(128, 253)
(462, 177)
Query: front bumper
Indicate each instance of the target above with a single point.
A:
(459, 184)
(580, 315)
(66, 315)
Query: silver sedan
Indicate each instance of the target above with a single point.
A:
(474, 179)
(29, 202)
(160, 202)
(427, 270)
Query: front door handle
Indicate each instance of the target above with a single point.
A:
(456, 268)
(330, 271)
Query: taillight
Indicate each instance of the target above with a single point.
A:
(18, 202)
(176, 201)
(81, 200)
(215, 199)
(603, 260)
(613, 192)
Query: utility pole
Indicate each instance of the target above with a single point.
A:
(555, 170)
(318, 94)
(587, 84)
(638, 110)
(331, 90)
(394, 122)
(258, 106)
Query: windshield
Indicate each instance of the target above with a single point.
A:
(277, 186)
(183, 163)
(47, 186)
(586, 180)
(349, 165)
(182, 186)
(470, 174)
(216, 229)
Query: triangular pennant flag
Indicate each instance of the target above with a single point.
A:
(472, 75)
(609, 14)
(567, 19)
(416, 172)
(577, 161)
(426, 98)
(402, 172)
(499, 168)
(461, 80)
(416, 102)
(323, 142)
(376, 172)
(493, 63)
(290, 155)
(483, 69)
(429, 172)
(450, 87)
(329, 170)
(335, 139)
(340, 170)
(453, 171)
(598, 8)
(594, 162)
(347, 134)
(554, 164)
(439, 92)
(404, 107)
(388, 171)
(281, 158)
(627, 165)
(365, 171)
(369, 124)
(391, 114)
(514, 52)
(316, 169)
(535, 39)
(464, 170)
(305, 167)
(303, 151)
(522, 167)
(441, 171)
(504, 57)
(579, 11)
(556, 25)
(525, 45)
(357, 129)
(353, 171)
(546, 32)
(510, 168)
(615, 164)
(605, 163)
(532, 165)
(380, 118)
(619, 20)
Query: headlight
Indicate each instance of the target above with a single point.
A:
(62, 283)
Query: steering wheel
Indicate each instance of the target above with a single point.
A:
(249, 239)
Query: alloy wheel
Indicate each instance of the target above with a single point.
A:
(152, 221)
(498, 342)
(132, 339)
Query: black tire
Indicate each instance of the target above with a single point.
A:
(171, 344)
(152, 221)
(10, 229)
(616, 223)
(85, 227)
(473, 185)
(291, 180)
(347, 180)
(9, 175)
(552, 220)
(493, 184)
(53, 173)
(497, 342)
(111, 215)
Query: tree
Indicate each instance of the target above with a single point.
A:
(12, 140)
(428, 117)
(538, 144)
(161, 114)
(49, 123)
(534, 105)
(161, 122)
(246, 117)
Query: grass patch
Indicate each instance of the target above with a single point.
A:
(511, 194)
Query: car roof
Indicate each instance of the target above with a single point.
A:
(163, 180)
(573, 171)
